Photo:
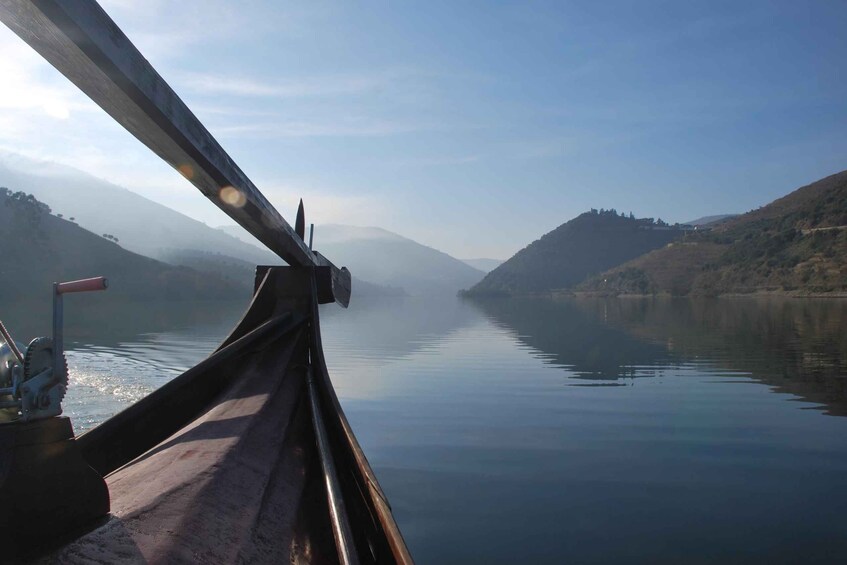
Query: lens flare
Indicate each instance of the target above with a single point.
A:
(232, 196)
(186, 170)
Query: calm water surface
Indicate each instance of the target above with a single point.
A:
(541, 431)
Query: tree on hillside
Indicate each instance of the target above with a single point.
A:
(28, 209)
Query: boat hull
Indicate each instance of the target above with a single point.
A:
(236, 475)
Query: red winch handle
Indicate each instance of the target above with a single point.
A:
(84, 285)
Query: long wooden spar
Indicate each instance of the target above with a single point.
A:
(84, 44)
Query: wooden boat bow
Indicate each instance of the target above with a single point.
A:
(224, 462)
(248, 455)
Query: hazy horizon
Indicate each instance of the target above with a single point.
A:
(472, 129)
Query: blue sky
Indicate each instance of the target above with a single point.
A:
(473, 127)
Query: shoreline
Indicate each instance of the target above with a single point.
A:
(763, 293)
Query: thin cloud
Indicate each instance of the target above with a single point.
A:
(348, 127)
(164, 30)
(232, 111)
(323, 206)
(436, 161)
(31, 88)
(394, 80)
(313, 86)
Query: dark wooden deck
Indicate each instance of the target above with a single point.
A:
(239, 477)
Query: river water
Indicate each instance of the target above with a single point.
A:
(551, 431)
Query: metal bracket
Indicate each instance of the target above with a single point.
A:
(41, 396)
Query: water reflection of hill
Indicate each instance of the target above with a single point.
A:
(796, 346)
(393, 327)
(574, 336)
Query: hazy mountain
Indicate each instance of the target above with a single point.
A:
(710, 220)
(241, 234)
(797, 243)
(382, 257)
(141, 225)
(484, 265)
(588, 244)
(40, 248)
(154, 230)
(147, 227)
(387, 259)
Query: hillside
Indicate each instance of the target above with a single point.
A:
(148, 228)
(390, 260)
(141, 225)
(562, 258)
(710, 220)
(483, 264)
(40, 248)
(797, 244)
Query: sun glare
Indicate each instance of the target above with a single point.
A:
(232, 196)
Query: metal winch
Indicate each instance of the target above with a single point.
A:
(44, 477)
(33, 379)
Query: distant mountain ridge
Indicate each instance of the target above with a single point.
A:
(483, 264)
(385, 258)
(141, 225)
(156, 231)
(590, 243)
(380, 261)
(324, 233)
(796, 244)
(40, 248)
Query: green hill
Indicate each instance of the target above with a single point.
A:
(796, 244)
(40, 248)
(588, 244)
